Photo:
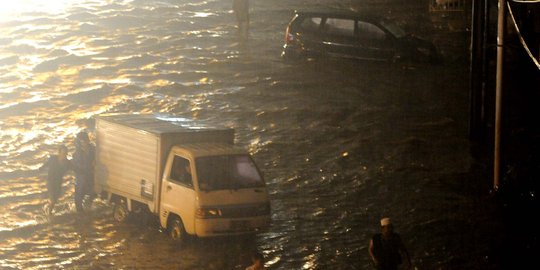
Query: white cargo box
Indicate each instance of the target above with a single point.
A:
(131, 151)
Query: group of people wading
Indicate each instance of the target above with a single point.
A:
(82, 164)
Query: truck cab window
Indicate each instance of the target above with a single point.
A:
(181, 171)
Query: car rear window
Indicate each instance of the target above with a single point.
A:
(341, 27)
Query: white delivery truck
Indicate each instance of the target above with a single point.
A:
(189, 175)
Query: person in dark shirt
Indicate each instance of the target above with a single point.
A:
(387, 249)
(83, 165)
(57, 166)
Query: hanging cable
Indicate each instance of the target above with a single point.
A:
(523, 42)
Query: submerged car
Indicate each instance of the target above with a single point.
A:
(353, 35)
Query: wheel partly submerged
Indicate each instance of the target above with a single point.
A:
(120, 211)
(176, 229)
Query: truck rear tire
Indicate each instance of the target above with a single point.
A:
(176, 229)
(120, 211)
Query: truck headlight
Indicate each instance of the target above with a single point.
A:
(208, 213)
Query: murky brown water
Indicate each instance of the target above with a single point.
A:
(340, 143)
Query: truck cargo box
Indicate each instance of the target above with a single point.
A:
(131, 151)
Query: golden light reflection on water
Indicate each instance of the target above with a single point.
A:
(7, 105)
(272, 261)
(67, 71)
(203, 14)
(310, 262)
(13, 9)
(118, 80)
(23, 223)
(256, 144)
(62, 134)
(158, 83)
(79, 47)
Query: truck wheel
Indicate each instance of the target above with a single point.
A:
(120, 211)
(176, 229)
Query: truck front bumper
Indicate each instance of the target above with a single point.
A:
(230, 226)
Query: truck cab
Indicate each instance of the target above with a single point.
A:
(213, 189)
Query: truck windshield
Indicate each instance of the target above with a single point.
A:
(227, 172)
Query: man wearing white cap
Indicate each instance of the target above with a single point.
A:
(386, 248)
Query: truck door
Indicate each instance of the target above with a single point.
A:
(178, 194)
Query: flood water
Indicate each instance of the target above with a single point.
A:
(341, 143)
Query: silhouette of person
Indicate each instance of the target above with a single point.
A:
(181, 171)
(186, 177)
(386, 248)
(57, 166)
(241, 11)
(83, 165)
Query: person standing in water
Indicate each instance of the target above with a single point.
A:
(241, 11)
(57, 166)
(387, 249)
(83, 165)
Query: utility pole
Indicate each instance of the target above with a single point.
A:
(501, 27)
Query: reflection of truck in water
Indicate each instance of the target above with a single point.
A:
(191, 176)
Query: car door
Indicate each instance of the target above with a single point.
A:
(373, 42)
(339, 37)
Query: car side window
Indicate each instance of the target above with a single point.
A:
(311, 24)
(370, 31)
(181, 171)
(339, 27)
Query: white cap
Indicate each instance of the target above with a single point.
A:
(385, 221)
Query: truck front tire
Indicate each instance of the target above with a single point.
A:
(176, 229)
